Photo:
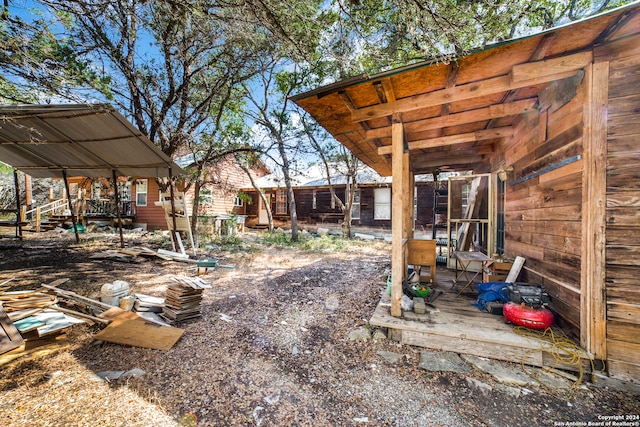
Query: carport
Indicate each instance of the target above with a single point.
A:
(89, 140)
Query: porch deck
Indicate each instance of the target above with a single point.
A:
(453, 324)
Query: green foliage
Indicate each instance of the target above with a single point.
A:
(375, 35)
(244, 197)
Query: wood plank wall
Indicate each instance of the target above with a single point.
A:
(543, 210)
(623, 206)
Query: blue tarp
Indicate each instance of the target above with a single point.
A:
(491, 291)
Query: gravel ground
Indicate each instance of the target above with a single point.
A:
(272, 348)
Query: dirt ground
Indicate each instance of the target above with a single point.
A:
(272, 348)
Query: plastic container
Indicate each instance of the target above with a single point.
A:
(110, 293)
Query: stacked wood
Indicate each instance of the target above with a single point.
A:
(148, 303)
(183, 299)
(138, 254)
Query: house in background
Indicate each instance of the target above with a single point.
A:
(94, 198)
(371, 208)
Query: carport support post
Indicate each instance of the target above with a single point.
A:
(18, 218)
(117, 196)
(174, 233)
(73, 217)
(399, 167)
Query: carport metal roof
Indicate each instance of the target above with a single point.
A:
(91, 140)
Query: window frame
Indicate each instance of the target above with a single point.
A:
(378, 213)
(281, 202)
(356, 202)
(139, 184)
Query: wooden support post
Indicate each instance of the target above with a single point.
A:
(28, 193)
(117, 197)
(73, 217)
(174, 232)
(38, 218)
(593, 304)
(17, 186)
(397, 214)
(409, 184)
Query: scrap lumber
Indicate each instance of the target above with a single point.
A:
(79, 298)
(23, 314)
(10, 338)
(182, 302)
(148, 303)
(36, 348)
(193, 282)
(79, 314)
(115, 255)
(22, 300)
(176, 256)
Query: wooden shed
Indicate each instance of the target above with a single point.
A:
(556, 116)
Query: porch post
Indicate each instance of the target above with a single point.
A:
(117, 196)
(73, 217)
(174, 233)
(593, 310)
(399, 173)
(410, 185)
(18, 216)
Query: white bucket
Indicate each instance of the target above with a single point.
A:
(110, 293)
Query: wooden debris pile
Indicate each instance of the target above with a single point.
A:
(33, 321)
(139, 254)
(183, 299)
(30, 320)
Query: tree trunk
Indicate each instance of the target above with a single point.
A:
(292, 202)
(194, 210)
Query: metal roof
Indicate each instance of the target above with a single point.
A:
(89, 140)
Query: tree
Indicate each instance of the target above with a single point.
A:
(376, 35)
(336, 160)
(277, 123)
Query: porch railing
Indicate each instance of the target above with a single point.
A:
(86, 208)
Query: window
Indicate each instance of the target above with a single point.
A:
(355, 209)
(141, 192)
(314, 202)
(382, 203)
(206, 197)
(237, 202)
(281, 202)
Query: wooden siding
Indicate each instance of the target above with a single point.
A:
(151, 214)
(623, 207)
(323, 213)
(544, 197)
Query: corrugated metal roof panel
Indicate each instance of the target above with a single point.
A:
(83, 140)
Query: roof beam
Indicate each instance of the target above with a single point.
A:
(550, 67)
(525, 75)
(495, 111)
(439, 162)
(462, 138)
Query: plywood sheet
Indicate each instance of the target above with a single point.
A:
(130, 329)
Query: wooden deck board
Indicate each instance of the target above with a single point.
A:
(455, 325)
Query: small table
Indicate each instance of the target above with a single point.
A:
(465, 259)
